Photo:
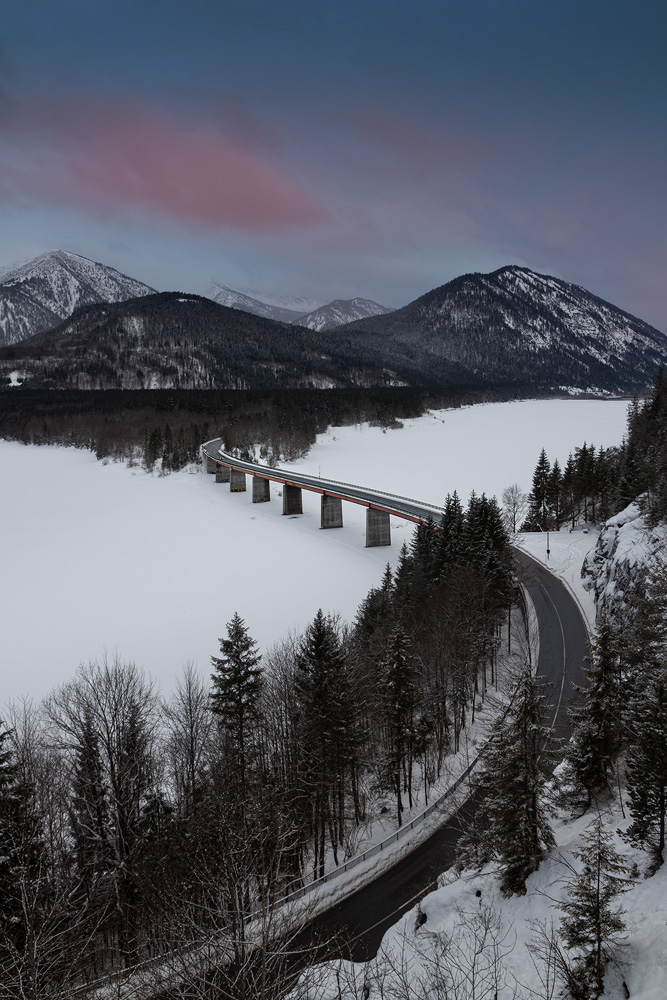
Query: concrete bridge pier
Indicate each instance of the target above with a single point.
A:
(261, 491)
(292, 500)
(378, 531)
(332, 512)
(236, 481)
(222, 474)
(211, 465)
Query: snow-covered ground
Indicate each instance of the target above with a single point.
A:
(100, 556)
(457, 910)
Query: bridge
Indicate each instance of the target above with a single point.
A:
(379, 506)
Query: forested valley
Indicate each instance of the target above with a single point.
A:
(133, 828)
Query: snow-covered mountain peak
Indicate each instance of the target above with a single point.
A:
(341, 311)
(281, 309)
(39, 293)
(293, 309)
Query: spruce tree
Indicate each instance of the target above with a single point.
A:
(592, 923)
(325, 726)
(596, 723)
(20, 854)
(538, 511)
(516, 764)
(399, 701)
(646, 757)
(237, 683)
(450, 536)
(646, 762)
(555, 495)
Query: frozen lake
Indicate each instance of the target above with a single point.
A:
(99, 556)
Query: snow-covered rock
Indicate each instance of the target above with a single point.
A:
(519, 324)
(625, 551)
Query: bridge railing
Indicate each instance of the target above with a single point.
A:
(284, 473)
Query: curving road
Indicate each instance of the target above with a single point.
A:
(361, 919)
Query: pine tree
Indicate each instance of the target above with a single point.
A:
(646, 757)
(89, 817)
(399, 699)
(592, 923)
(237, 683)
(516, 764)
(538, 511)
(403, 580)
(646, 762)
(20, 853)
(450, 536)
(326, 716)
(555, 495)
(596, 723)
(569, 498)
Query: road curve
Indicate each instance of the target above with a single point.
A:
(361, 919)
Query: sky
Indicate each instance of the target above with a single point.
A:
(376, 148)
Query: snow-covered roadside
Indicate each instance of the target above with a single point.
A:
(567, 552)
(450, 912)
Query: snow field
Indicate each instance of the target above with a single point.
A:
(100, 556)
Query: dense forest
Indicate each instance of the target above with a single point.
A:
(133, 827)
(167, 427)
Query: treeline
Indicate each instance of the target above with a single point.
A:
(168, 426)
(131, 827)
(598, 482)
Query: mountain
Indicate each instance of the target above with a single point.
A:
(304, 312)
(515, 324)
(279, 308)
(175, 340)
(513, 331)
(341, 311)
(38, 295)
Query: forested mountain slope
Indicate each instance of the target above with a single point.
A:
(175, 340)
(517, 324)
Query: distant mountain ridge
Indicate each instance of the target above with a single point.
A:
(341, 311)
(177, 340)
(314, 316)
(276, 310)
(41, 293)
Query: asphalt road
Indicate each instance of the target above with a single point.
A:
(358, 923)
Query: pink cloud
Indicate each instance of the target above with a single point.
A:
(106, 156)
(411, 142)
